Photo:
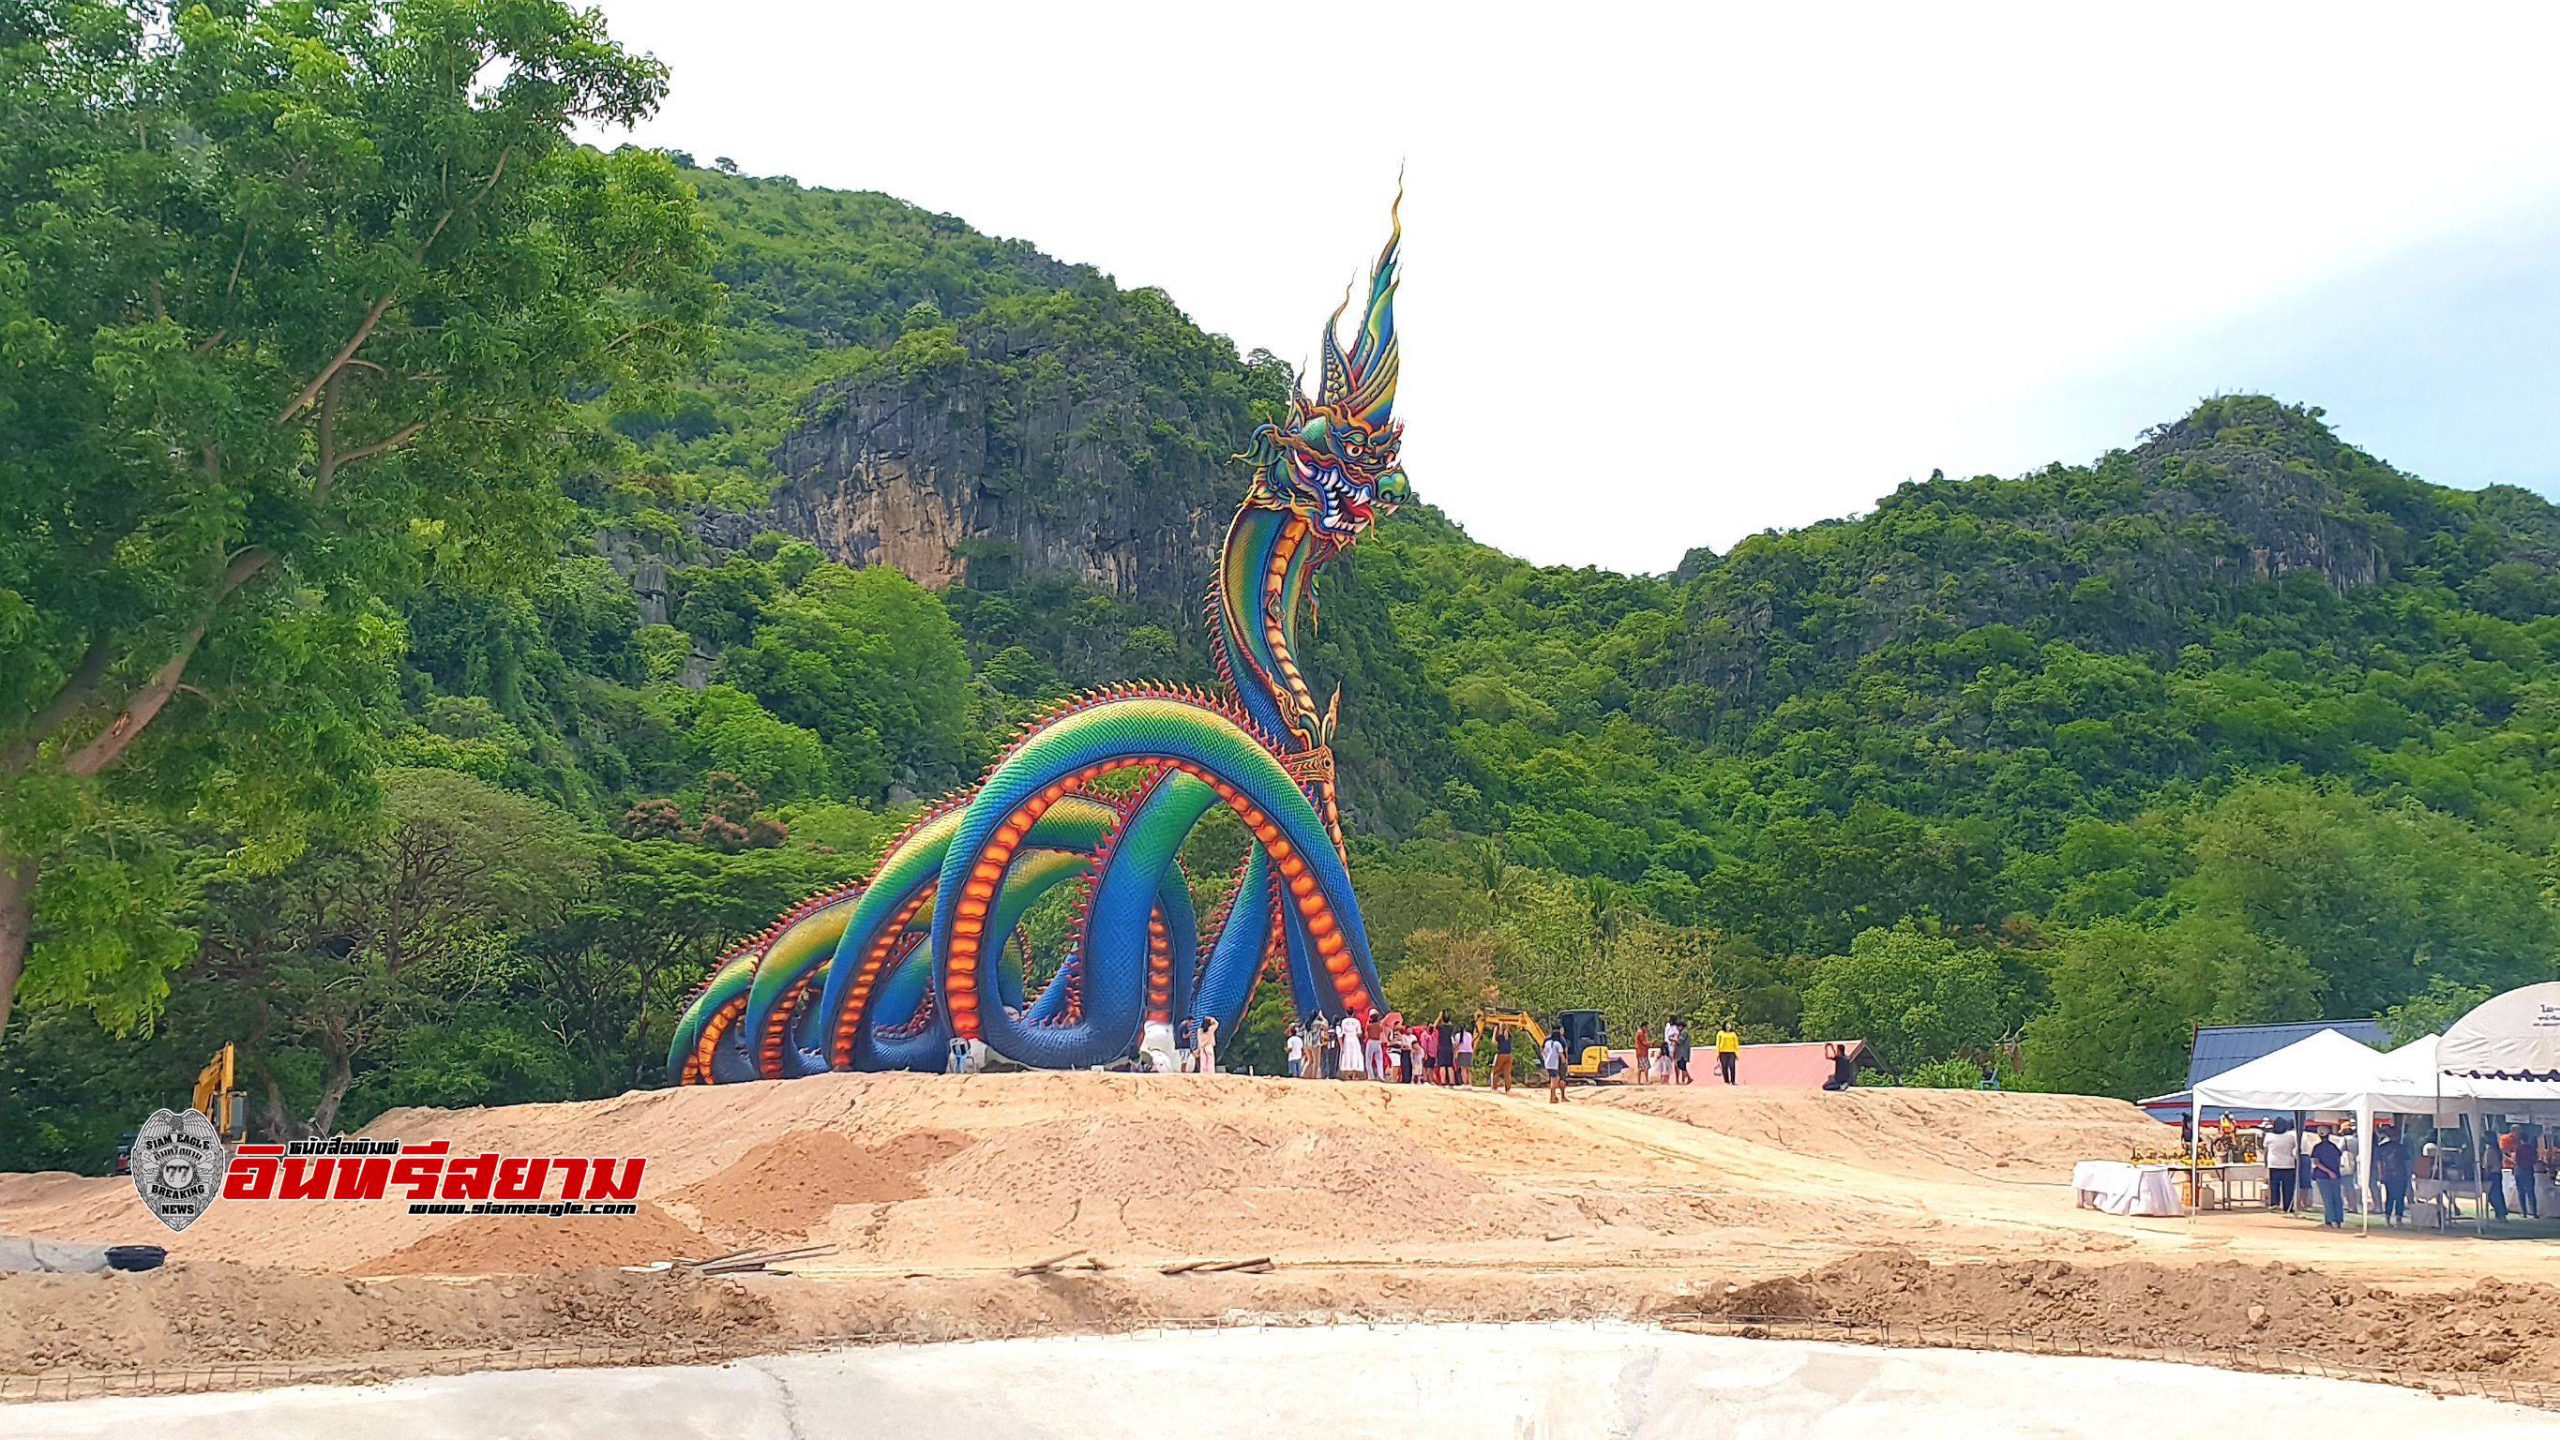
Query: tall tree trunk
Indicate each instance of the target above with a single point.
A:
(324, 1120)
(333, 1091)
(17, 928)
(279, 1125)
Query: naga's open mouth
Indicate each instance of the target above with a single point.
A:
(1342, 507)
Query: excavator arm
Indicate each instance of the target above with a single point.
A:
(219, 1097)
(1593, 1063)
(1521, 1020)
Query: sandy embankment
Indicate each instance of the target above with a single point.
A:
(1373, 1201)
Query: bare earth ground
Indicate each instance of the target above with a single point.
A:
(1373, 1201)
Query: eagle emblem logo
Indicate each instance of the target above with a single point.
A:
(178, 1164)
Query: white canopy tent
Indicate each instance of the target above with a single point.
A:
(2404, 1081)
(2512, 1037)
(2324, 1070)
(2503, 1059)
(2409, 1074)
(2414, 1080)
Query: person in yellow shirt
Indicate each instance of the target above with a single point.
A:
(1729, 1054)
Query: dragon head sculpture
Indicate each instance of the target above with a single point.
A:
(1334, 463)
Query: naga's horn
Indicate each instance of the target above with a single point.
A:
(1373, 360)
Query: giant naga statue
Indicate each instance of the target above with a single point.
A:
(1101, 792)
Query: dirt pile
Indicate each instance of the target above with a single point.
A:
(964, 1176)
(1372, 1201)
(210, 1314)
(1987, 1134)
(2273, 1317)
(1166, 1182)
(789, 1184)
(532, 1244)
(2490, 1325)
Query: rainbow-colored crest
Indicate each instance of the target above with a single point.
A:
(1335, 462)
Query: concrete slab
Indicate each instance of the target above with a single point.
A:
(1575, 1382)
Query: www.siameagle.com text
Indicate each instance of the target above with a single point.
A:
(506, 1207)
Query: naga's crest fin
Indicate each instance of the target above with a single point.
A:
(1372, 399)
(1336, 460)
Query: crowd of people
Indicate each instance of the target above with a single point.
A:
(2307, 1167)
(1388, 1047)
(2510, 1168)
(1391, 1048)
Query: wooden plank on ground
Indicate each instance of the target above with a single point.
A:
(1043, 1267)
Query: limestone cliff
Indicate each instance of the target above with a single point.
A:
(1034, 448)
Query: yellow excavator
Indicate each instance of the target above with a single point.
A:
(1585, 1034)
(219, 1096)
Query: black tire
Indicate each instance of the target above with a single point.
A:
(135, 1257)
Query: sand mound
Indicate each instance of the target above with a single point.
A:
(1373, 1201)
(206, 1314)
(41, 1187)
(947, 1176)
(2214, 1307)
(1962, 1132)
(789, 1184)
(1126, 1155)
(2281, 1317)
(523, 1244)
(1169, 1185)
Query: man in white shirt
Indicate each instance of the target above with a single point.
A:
(1297, 1054)
(1155, 1041)
(1552, 1053)
(2284, 1156)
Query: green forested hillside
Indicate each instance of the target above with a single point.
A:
(2237, 723)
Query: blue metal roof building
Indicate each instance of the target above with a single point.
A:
(2227, 1047)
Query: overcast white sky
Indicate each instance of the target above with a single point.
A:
(1678, 274)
